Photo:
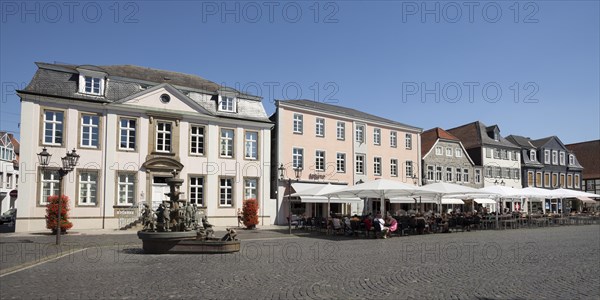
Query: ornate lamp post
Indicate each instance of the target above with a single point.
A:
(415, 179)
(298, 173)
(68, 163)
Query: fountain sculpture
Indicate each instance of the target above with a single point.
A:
(177, 227)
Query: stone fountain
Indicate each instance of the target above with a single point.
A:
(178, 227)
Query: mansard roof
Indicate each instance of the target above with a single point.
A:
(62, 80)
(475, 135)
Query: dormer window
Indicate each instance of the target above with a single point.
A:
(532, 155)
(571, 159)
(226, 103)
(91, 82)
(92, 85)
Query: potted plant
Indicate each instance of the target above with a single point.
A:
(52, 214)
(250, 213)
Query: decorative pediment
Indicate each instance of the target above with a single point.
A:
(161, 163)
(164, 97)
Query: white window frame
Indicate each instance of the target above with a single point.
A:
(439, 150)
(341, 131)
(571, 159)
(52, 181)
(477, 176)
(360, 133)
(408, 141)
(532, 155)
(227, 103)
(465, 175)
(55, 126)
(394, 167)
(438, 173)
(393, 139)
(547, 156)
(297, 158)
(250, 188)
(94, 77)
(561, 158)
(458, 152)
(320, 127)
(449, 172)
(458, 175)
(340, 162)
(197, 137)
(409, 169)
(298, 123)
(89, 129)
(164, 137)
(196, 187)
(577, 181)
(130, 132)
(251, 145)
(319, 160)
(377, 166)
(86, 195)
(449, 151)
(377, 136)
(227, 143)
(359, 167)
(554, 157)
(430, 173)
(226, 189)
(127, 187)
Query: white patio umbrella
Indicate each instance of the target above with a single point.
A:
(450, 190)
(574, 193)
(501, 192)
(326, 192)
(382, 188)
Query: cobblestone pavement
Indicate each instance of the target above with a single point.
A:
(543, 263)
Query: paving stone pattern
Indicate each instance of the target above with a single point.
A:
(544, 263)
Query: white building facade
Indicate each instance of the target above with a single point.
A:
(132, 127)
(9, 171)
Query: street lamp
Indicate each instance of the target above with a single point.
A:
(297, 172)
(68, 163)
(415, 179)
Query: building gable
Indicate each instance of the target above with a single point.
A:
(164, 97)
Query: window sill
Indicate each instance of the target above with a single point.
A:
(163, 153)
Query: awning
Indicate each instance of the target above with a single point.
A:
(586, 199)
(322, 199)
(301, 187)
(452, 201)
(410, 200)
(485, 201)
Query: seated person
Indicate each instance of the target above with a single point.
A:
(368, 223)
(381, 223)
(392, 224)
(336, 222)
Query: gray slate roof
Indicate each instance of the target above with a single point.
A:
(474, 135)
(61, 80)
(344, 111)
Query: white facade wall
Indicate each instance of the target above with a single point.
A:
(108, 160)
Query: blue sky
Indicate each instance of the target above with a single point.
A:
(533, 68)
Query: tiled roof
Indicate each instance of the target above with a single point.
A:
(474, 135)
(588, 155)
(429, 137)
(344, 111)
(521, 141)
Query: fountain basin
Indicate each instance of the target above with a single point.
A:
(184, 243)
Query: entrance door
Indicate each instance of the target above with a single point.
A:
(159, 189)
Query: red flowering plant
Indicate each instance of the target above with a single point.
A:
(250, 213)
(52, 213)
